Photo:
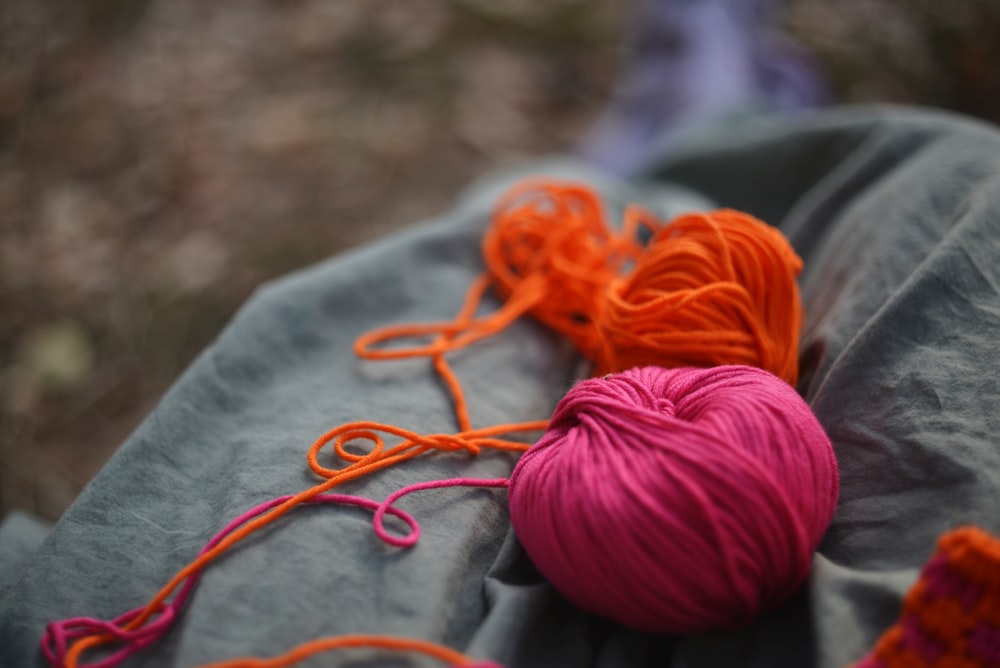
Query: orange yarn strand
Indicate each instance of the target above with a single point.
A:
(452, 334)
(313, 647)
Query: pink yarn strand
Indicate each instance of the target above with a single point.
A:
(61, 634)
(411, 538)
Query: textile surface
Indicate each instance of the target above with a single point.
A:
(896, 214)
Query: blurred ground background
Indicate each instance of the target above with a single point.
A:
(159, 159)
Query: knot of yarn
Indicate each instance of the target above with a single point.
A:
(59, 635)
(681, 520)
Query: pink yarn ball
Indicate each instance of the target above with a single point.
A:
(677, 500)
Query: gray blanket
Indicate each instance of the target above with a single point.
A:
(897, 216)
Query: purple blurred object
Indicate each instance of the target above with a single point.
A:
(690, 63)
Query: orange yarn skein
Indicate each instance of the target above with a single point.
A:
(711, 289)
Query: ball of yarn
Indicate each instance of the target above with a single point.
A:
(711, 288)
(676, 500)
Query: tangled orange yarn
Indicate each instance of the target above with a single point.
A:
(707, 289)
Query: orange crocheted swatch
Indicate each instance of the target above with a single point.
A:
(951, 616)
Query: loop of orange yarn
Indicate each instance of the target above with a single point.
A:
(412, 445)
(711, 289)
